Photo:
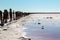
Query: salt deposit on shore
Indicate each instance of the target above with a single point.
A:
(12, 31)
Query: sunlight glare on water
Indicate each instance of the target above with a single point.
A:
(42, 28)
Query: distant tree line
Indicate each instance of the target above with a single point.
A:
(11, 15)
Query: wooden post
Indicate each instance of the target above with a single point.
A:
(10, 13)
(1, 18)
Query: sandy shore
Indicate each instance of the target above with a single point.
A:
(13, 30)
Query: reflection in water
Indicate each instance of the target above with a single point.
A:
(51, 29)
(42, 27)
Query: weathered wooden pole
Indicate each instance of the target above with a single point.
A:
(13, 15)
(1, 15)
(10, 13)
(5, 16)
(1, 18)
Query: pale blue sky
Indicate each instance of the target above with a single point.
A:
(31, 5)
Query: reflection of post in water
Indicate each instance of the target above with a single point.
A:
(1, 18)
(5, 16)
(10, 13)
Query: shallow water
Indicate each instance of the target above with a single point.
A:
(51, 29)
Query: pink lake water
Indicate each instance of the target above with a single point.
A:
(51, 27)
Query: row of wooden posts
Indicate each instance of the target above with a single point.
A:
(11, 15)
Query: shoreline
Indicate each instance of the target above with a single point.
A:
(13, 31)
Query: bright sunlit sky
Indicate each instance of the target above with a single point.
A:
(31, 5)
